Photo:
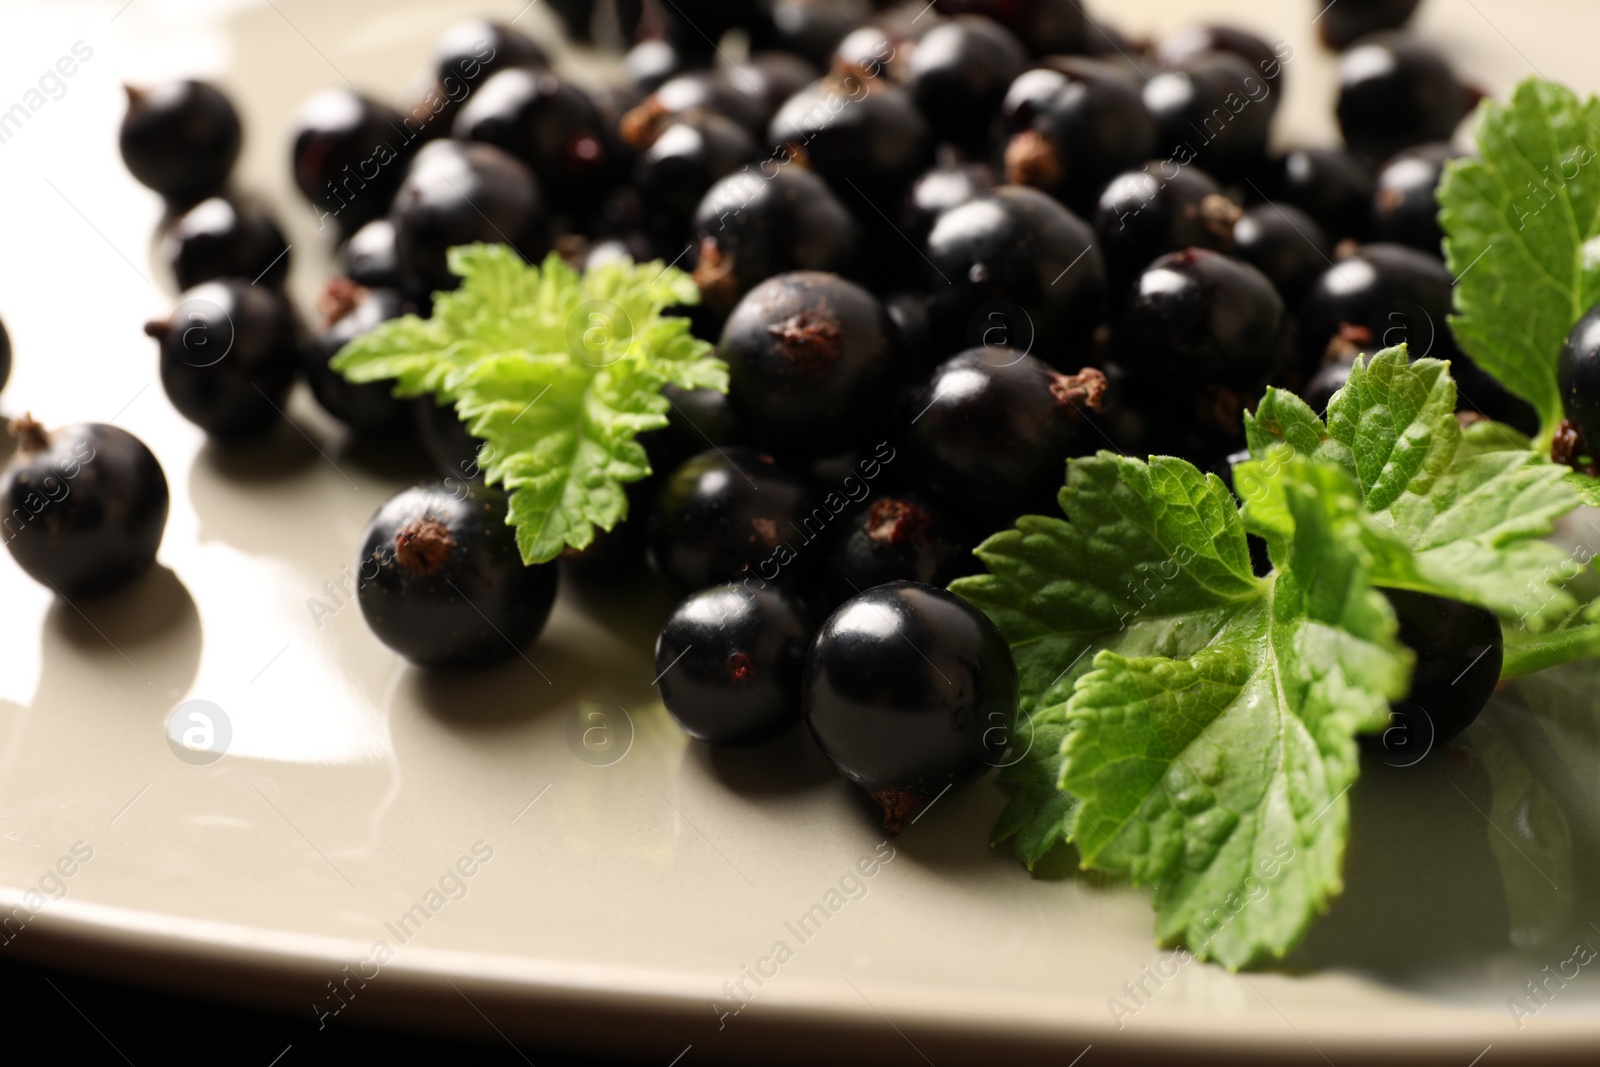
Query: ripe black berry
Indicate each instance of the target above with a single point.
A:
(549, 124)
(453, 451)
(1045, 27)
(1459, 651)
(865, 138)
(1578, 377)
(1395, 92)
(441, 580)
(811, 358)
(1201, 318)
(730, 514)
(1018, 246)
(350, 310)
(1331, 185)
(905, 537)
(1405, 209)
(908, 690)
(958, 75)
(994, 428)
(1215, 111)
(1187, 44)
(349, 157)
(1328, 380)
(368, 258)
(754, 224)
(229, 352)
(1285, 244)
(1157, 209)
(1072, 126)
(181, 139)
(1342, 24)
(219, 238)
(455, 194)
(941, 188)
(474, 50)
(686, 157)
(5, 356)
(650, 64)
(698, 90)
(84, 506)
(729, 659)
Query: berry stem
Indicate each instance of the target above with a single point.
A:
(30, 434)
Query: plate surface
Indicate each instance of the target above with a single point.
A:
(624, 885)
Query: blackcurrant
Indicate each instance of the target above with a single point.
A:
(350, 310)
(696, 420)
(811, 28)
(1215, 110)
(1459, 651)
(811, 358)
(729, 658)
(473, 50)
(181, 139)
(368, 258)
(698, 90)
(958, 75)
(1045, 27)
(1019, 248)
(5, 356)
(84, 506)
(1395, 92)
(903, 537)
(349, 156)
(229, 352)
(1578, 376)
(455, 453)
(455, 194)
(1285, 244)
(865, 138)
(1342, 24)
(770, 78)
(1201, 318)
(1072, 126)
(993, 428)
(1405, 209)
(650, 64)
(732, 514)
(686, 157)
(441, 582)
(1157, 209)
(941, 188)
(1331, 185)
(873, 51)
(1328, 380)
(220, 238)
(1187, 44)
(909, 690)
(760, 222)
(547, 123)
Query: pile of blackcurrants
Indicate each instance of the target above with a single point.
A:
(941, 249)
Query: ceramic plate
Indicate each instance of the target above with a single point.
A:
(537, 846)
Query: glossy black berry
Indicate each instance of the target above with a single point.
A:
(650, 64)
(1459, 651)
(1215, 110)
(455, 453)
(349, 156)
(1018, 248)
(1578, 377)
(729, 658)
(1331, 185)
(547, 123)
(229, 352)
(699, 90)
(904, 537)
(1405, 209)
(770, 78)
(1328, 380)
(1263, 59)
(697, 419)
(1285, 244)
(368, 258)
(1045, 27)
(958, 75)
(993, 428)
(1072, 126)
(220, 238)
(1395, 92)
(5, 356)
(686, 157)
(473, 50)
(1342, 24)
(455, 194)
(760, 222)
(85, 506)
(908, 690)
(1157, 209)
(730, 514)
(181, 139)
(941, 188)
(866, 139)
(1201, 318)
(810, 28)
(441, 582)
(811, 359)
(350, 310)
